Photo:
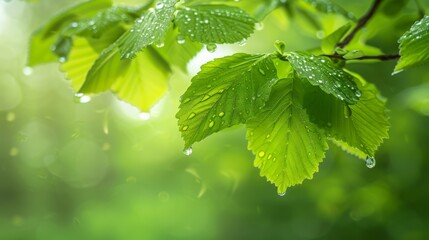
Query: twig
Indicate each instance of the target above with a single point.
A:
(361, 23)
(377, 57)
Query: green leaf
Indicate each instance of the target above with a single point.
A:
(330, 42)
(43, 39)
(357, 53)
(321, 71)
(413, 45)
(141, 81)
(359, 128)
(177, 50)
(226, 92)
(288, 147)
(329, 7)
(83, 55)
(212, 24)
(95, 26)
(150, 28)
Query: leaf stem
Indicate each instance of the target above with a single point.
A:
(420, 9)
(385, 57)
(361, 23)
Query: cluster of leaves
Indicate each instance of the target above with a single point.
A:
(292, 103)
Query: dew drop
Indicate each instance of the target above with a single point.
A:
(62, 59)
(159, 5)
(160, 45)
(81, 98)
(281, 194)
(242, 42)
(188, 151)
(261, 154)
(261, 71)
(211, 47)
(27, 71)
(358, 93)
(211, 124)
(259, 26)
(370, 162)
(180, 39)
(184, 128)
(221, 114)
(144, 116)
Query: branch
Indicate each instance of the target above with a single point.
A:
(378, 57)
(361, 23)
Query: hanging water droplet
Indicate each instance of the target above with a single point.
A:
(370, 162)
(144, 116)
(81, 98)
(62, 59)
(242, 42)
(259, 26)
(27, 71)
(180, 39)
(281, 194)
(188, 151)
(160, 45)
(211, 47)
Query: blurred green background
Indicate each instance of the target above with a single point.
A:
(97, 170)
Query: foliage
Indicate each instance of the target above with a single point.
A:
(290, 110)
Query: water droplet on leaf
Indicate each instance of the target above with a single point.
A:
(261, 154)
(180, 39)
(159, 5)
(281, 194)
(211, 124)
